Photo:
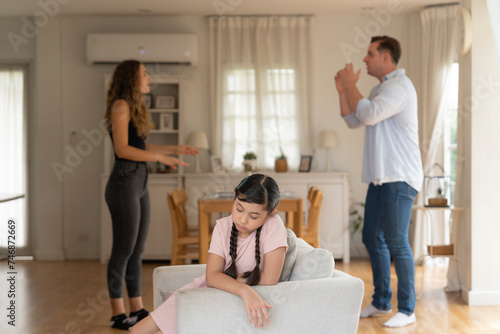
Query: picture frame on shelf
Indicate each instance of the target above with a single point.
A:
(166, 121)
(165, 102)
(305, 163)
(147, 99)
(217, 166)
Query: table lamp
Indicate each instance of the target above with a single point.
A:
(198, 139)
(329, 140)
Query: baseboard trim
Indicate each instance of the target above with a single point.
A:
(82, 254)
(481, 298)
(49, 255)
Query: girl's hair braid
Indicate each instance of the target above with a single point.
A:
(231, 270)
(253, 277)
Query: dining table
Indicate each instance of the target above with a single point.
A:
(222, 202)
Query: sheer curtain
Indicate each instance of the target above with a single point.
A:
(260, 70)
(12, 151)
(438, 54)
(494, 11)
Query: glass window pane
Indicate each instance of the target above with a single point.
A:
(264, 121)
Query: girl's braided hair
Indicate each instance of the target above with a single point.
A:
(254, 189)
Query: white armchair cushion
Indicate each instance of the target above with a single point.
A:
(311, 263)
(290, 255)
(321, 306)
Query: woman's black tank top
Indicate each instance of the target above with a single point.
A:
(133, 139)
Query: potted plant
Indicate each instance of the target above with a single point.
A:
(356, 226)
(280, 164)
(356, 217)
(439, 199)
(250, 161)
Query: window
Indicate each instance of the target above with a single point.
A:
(260, 115)
(13, 168)
(450, 100)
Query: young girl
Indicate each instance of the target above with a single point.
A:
(247, 248)
(127, 193)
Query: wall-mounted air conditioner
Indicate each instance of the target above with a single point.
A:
(147, 48)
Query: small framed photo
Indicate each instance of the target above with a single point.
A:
(165, 102)
(167, 122)
(305, 163)
(217, 166)
(147, 98)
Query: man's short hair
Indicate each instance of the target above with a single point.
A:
(389, 44)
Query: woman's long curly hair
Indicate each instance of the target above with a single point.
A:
(255, 189)
(125, 86)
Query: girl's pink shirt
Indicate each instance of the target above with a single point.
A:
(272, 236)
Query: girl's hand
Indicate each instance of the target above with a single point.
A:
(256, 308)
(186, 149)
(170, 161)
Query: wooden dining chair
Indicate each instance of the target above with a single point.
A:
(180, 200)
(311, 193)
(311, 230)
(185, 242)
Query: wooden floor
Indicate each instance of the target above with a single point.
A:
(71, 297)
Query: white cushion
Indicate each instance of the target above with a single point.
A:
(311, 263)
(290, 255)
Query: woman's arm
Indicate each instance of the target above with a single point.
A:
(120, 118)
(255, 306)
(172, 149)
(273, 264)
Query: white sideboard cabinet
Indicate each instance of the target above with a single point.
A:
(334, 219)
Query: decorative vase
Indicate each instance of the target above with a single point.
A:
(280, 165)
(250, 165)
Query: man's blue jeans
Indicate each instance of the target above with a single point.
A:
(385, 235)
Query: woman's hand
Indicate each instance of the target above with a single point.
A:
(256, 307)
(186, 149)
(170, 161)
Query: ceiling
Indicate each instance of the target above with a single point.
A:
(209, 7)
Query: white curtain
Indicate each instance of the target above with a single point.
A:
(261, 74)
(494, 11)
(438, 54)
(12, 151)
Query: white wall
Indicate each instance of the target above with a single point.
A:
(479, 101)
(13, 51)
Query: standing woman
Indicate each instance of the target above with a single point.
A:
(127, 195)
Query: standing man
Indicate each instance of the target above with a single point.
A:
(392, 167)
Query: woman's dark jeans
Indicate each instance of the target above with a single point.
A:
(127, 197)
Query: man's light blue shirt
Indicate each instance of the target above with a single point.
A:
(389, 114)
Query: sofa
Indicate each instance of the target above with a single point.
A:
(312, 297)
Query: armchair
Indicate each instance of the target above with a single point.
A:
(316, 299)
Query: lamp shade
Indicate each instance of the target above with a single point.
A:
(198, 139)
(329, 139)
